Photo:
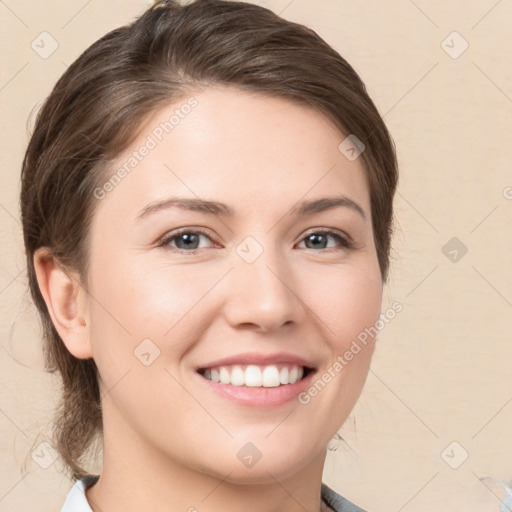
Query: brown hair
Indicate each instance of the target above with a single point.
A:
(89, 119)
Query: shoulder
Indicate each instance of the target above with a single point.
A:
(338, 503)
(76, 500)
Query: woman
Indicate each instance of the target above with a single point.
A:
(207, 212)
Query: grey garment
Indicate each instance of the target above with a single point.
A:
(77, 502)
(338, 503)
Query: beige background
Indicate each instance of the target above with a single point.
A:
(442, 368)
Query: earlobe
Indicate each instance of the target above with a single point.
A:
(66, 301)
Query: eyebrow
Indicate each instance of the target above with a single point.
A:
(301, 209)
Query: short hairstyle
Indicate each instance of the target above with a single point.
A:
(97, 108)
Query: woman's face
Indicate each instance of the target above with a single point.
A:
(180, 295)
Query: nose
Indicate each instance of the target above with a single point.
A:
(262, 294)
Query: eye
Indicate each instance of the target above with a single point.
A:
(186, 240)
(319, 237)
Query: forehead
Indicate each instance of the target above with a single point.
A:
(246, 149)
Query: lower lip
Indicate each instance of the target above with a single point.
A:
(260, 396)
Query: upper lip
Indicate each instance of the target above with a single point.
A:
(259, 359)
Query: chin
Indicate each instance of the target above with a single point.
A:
(263, 473)
(250, 465)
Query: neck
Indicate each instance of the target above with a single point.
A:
(137, 477)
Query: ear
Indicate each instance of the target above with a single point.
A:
(67, 302)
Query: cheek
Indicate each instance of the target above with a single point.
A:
(133, 303)
(168, 303)
(348, 305)
(144, 298)
(347, 301)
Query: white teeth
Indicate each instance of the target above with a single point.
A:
(224, 376)
(254, 376)
(237, 376)
(270, 377)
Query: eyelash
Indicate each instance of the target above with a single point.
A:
(164, 243)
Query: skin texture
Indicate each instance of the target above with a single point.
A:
(170, 443)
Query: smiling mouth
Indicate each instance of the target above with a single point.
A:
(256, 376)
